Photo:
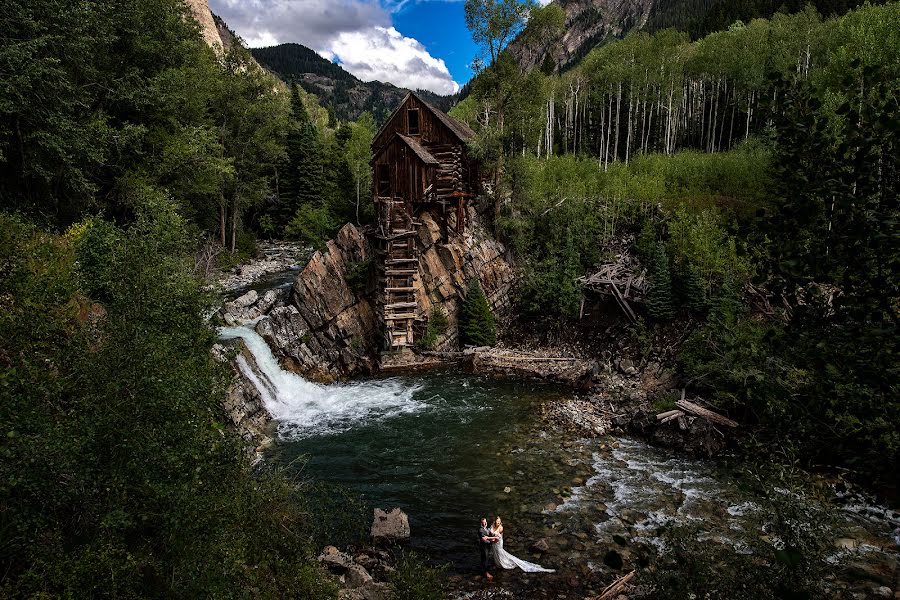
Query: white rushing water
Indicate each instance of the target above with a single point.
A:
(303, 408)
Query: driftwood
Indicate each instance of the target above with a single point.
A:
(706, 414)
(677, 414)
(613, 589)
(668, 413)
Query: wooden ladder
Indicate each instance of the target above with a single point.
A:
(400, 269)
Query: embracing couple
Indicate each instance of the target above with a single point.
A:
(491, 543)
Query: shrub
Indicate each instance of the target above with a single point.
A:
(477, 322)
(415, 579)
(437, 326)
(659, 299)
(117, 479)
(357, 275)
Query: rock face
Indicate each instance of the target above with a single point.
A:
(446, 268)
(201, 13)
(588, 24)
(390, 527)
(244, 405)
(329, 330)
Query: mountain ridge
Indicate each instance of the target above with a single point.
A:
(336, 87)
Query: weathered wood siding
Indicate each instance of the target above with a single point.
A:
(409, 176)
(431, 130)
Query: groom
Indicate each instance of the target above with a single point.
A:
(485, 539)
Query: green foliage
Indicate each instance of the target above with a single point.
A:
(415, 579)
(437, 326)
(116, 476)
(704, 255)
(300, 174)
(477, 326)
(357, 275)
(311, 224)
(660, 305)
(564, 208)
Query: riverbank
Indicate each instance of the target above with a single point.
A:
(533, 435)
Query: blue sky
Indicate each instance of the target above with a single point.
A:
(410, 43)
(441, 27)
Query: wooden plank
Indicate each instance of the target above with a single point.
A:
(401, 305)
(624, 304)
(706, 414)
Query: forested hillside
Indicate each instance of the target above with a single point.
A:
(336, 89)
(130, 156)
(757, 169)
(591, 23)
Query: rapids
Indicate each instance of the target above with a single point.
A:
(449, 448)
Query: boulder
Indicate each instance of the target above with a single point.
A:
(540, 546)
(356, 576)
(390, 526)
(377, 590)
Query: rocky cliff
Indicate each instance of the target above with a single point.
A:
(244, 406)
(200, 10)
(588, 24)
(328, 327)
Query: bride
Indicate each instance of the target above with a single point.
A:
(507, 560)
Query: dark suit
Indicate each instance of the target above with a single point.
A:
(484, 532)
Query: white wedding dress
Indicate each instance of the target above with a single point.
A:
(508, 561)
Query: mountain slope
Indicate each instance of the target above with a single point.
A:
(336, 88)
(590, 23)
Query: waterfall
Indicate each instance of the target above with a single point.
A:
(303, 408)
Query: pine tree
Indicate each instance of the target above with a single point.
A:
(477, 325)
(300, 176)
(659, 300)
(690, 289)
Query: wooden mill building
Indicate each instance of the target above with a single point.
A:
(420, 164)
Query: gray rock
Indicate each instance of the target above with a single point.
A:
(377, 591)
(390, 527)
(357, 576)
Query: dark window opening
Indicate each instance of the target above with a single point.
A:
(384, 181)
(413, 121)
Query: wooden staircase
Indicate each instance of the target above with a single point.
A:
(399, 270)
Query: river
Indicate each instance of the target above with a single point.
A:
(449, 448)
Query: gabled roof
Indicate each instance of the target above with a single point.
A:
(458, 128)
(413, 144)
(420, 151)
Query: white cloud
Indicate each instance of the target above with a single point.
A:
(384, 54)
(358, 33)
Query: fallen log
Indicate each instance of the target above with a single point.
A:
(706, 414)
(613, 589)
(668, 413)
(672, 417)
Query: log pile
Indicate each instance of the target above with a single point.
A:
(687, 407)
(623, 280)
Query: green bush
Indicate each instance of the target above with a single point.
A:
(357, 275)
(437, 326)
(477, 326)
(415, 579)
(660, 305)
(117, 478)
(311, 224)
